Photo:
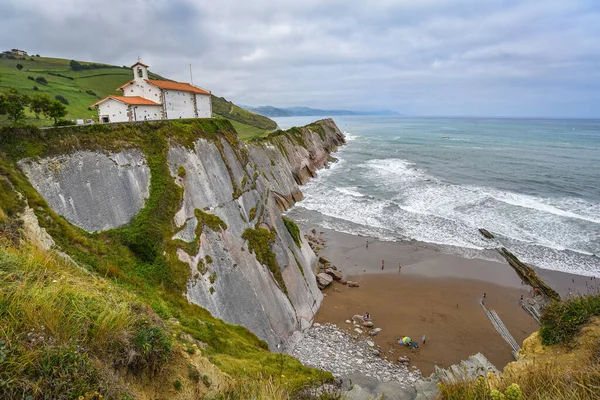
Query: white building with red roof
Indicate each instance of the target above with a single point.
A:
(146, 99)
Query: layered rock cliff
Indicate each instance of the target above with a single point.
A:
(245, 267)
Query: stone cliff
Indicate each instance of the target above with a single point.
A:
(244, 265)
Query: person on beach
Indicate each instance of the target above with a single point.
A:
(423, 339)
(382, 262)
(483, 298)
(399, 267)
(367, 316)
(521, 302)
(367, 243)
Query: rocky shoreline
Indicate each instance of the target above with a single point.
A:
(332, 349)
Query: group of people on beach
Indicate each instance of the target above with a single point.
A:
(407, 341)
(383, 261)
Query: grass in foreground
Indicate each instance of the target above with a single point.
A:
(57, 323)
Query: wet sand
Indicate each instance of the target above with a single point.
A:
(435, 294)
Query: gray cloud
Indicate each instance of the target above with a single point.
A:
(428, 57)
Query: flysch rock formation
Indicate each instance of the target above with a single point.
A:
(245, 185)
(92, 190)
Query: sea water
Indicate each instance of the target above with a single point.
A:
(533, 183)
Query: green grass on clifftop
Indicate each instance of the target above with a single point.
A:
(80, 88)
(83, 88)
(227, 109)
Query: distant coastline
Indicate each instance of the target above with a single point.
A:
(270, 111)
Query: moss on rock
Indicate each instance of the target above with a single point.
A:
(259, 243)
(293, 230)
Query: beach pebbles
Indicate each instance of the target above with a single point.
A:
(328, 347)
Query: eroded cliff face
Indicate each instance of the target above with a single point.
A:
(245, 185)
(92, 190)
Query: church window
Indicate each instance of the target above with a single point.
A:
(140, 73)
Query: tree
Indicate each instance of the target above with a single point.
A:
(13, 103)
(75, 66)
(40, 104)
(19, 66)
(56, 110)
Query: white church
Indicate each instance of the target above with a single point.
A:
(150, 99)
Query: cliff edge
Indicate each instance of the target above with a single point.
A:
(225, 233)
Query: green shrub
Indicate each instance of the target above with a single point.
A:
(154, 346)
(42, 80)
(193, 373)
(178, 385)
(62, 99)
(65, 122)
(293, 230)
(561, 320)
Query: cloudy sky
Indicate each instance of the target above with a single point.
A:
(418, 57)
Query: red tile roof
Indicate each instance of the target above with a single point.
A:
(133, 100)
(140, 63)
(125, 84)
(183, 87)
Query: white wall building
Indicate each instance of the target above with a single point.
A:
(150, 99)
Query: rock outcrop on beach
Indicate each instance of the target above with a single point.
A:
(323, 280)
(232, 197)
(486, 233)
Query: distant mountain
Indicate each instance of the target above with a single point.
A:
(270, 111)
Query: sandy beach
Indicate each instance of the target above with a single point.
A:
(434, 294)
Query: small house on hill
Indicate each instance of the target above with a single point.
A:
(146, 99)
(15, 52)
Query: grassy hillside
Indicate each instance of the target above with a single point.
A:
(116, 322)
(82, 88)
(227, 109)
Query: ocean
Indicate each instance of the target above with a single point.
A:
(533, 183)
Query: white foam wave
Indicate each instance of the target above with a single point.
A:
(525, 201)
(350, 191)
(351, 136)
(395, 170)
(403, 201)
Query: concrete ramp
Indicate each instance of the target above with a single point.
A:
(502, 330)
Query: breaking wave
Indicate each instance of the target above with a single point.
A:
(391, 198)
